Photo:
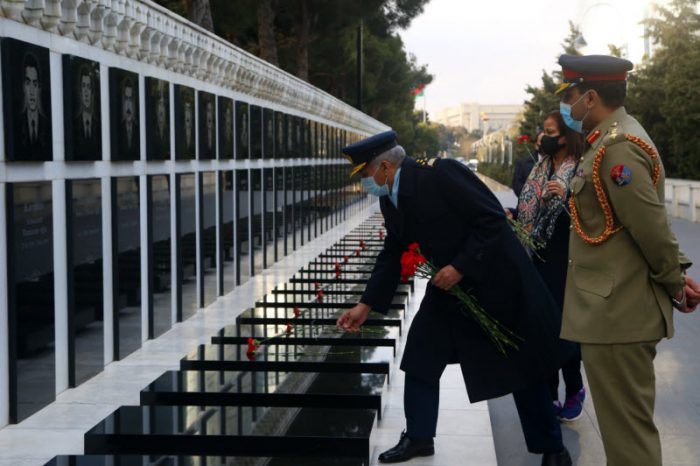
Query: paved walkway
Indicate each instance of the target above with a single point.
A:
(678, 389)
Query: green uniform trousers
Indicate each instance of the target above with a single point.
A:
(623, 388)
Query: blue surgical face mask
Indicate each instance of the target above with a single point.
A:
(565, 110)
(371, 187)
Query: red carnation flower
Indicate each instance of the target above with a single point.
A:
(252, 348)
(345, 259)
(362, 244)
(523, 138)
(288, 330)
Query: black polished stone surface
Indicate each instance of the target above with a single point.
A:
(227, 430)
(31, 298)
(164, 460)
(85, 295)
(160, 254)
(126, 244)
(187, 246)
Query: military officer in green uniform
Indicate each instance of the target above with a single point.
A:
(626, 272)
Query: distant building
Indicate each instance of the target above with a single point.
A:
(474, 116)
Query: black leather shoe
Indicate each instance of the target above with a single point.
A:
(406, 449)
(557, 459)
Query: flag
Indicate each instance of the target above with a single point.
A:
(417, 90)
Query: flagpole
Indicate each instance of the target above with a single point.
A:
(424, 115)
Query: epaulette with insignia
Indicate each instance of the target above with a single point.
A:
(614, 135)
(425, 161)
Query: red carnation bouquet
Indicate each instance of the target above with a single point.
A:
(413, 263)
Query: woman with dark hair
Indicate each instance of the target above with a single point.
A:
(543, 214)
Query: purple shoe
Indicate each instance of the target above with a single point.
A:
(573, 407)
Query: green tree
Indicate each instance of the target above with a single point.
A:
(664, 93)
(543, 100)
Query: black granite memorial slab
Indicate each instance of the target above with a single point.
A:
(242, 131)
(184, 123)
(225, 128)
(26, 89)
(280, 389)
(125, 118)
(157, 119)
(82, 120)
(167, 430)
(30, 282)
(207, 125)
(199, 460)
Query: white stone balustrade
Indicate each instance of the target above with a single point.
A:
(148, 32)
(683, 198)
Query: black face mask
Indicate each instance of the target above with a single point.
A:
(550, 145)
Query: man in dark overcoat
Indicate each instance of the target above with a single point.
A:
(461, 228)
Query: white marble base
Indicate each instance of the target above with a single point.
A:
(464, 430)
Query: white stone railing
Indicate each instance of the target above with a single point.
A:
(145, 31)
(683, 199)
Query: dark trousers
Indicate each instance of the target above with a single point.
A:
(571, 373)
(540, 426)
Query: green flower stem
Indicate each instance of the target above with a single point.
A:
(501, 336)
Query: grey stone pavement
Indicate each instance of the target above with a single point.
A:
(677, 382)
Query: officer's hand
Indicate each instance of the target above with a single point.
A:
(692, 294)
(353, 318)
(555, 187)
(446, 278)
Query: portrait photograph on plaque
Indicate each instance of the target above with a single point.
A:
(82, 119)
(280, 152)
(255, 132)
(242, 131)
(157, 119)
(207, 126)
(225, 128)
(124, 114)
(184, 123)
(26, 88)
(268, 133)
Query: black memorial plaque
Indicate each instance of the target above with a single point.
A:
(184, 123)
(225, 128)
(26, 88)
(85, 295)
(82, 117)
(207, 125)
(157, 119)
(160, 260)
(31, 298)
(243, 132)
(124, 114)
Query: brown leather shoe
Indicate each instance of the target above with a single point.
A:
(406, 449)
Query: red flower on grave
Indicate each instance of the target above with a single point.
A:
(319, 296)
(296, 312)
(317, 285)
(337, 266)
(288, 330)
(252, 348)
(362, 244)
(337, 274)
(345, 259)
(357, 252)
(381, 234)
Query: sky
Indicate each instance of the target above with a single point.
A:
(488, 51)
